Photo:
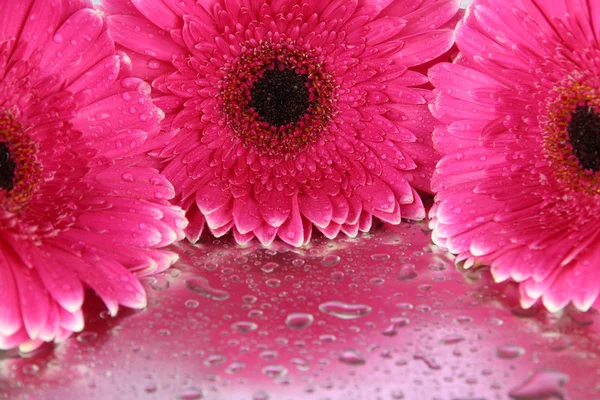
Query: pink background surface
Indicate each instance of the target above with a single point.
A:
(432, 334)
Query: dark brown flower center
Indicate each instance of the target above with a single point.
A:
(7, 168)
(584, 135)
(280, 97)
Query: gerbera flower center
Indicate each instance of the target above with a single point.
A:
(280, 96)
(571, 135)
(584, 135)
(7, 168)
(19, 170)
(277, 97)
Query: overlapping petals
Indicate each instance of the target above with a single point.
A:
(75, 213)
(517, 186)
(363, 147)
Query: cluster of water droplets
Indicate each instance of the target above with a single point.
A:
(384, 316)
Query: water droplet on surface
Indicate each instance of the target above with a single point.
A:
(509, 352)
(430, 362)
(158, 282)
(200, 285)
(407, 272)
(351, 357)
(244, 326)
(191, 394)
(452, 339)
(269, 267)
(260, 395)
(343, 310)
(330, 260)
(275, 371)
(30, 369)
(235, 367)
(192, 303)
(337, 276)
(542, 384)
(214, 360)
(380, 257)
(463, 319)
(150, 387)
(299, 320)
(249, 299)
(300, 364)
(273, 283)
(85, 337)
(397, 395)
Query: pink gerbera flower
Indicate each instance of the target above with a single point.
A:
(287, 114)
(519, 183)
(73, 213)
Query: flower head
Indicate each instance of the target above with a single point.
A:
(74, 213)
(281, 115)
(519, 184)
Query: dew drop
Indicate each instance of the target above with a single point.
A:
(343, 310)
(299, 320)
(330, 260)
(452, 339)
(275, 371)
(191, 394)
(269, 267)
(200, 285)
(352, 357)
(508, 352)
(542, 384)
(30, 369)
(85, 337)
(407, 272)
(244, 326)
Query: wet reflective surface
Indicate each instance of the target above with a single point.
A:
(383, 316)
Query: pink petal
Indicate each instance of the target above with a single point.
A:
(246, 214)
(292, 231)
(10, 315)
(317, 209)
(196, 224)
(139, 35)
(72, 41)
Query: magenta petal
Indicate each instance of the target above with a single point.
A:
(71, 321)
(158, 12)
(313, 174)
(278, 208)
(62, 283)
(14, 340)
(246, 214)
(221, 216)
(196, 224)
(211, 197)
(317, 209)
(146, 39)
(265, 234)
(242, 238)
(10, 315)
(292, 231)
(423, 47)
(71, 43)
(331, 231)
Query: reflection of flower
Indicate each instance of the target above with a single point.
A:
(73, 214)
(292, 113)
(519, 185)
